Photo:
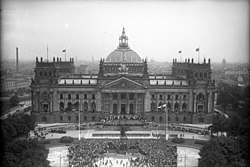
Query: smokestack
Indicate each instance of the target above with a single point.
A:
(17, 59)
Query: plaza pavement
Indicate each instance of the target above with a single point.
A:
(87, 133)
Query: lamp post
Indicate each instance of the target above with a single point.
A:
(79, 126)
(166, 132)
(167, 135)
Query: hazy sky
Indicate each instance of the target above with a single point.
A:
(156, 29)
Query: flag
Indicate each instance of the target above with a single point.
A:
(180, 51)
(197, 50)
(64, 50)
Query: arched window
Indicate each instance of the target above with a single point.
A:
(169, 105)
(69, 118)
(184, 106)
(69, 106)
(152, 106)
(201, 97)
(93, 106)
(44, 119)
(160, 119)
(160, 104)
(61, 106)
(85, 118)
(185, 118)
(85, 106)
(176, 106)
(152, 118)
(76, 105)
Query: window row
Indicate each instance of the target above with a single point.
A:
(176, 119)
(47, 74)
(168, 97)
(69, 118)
(176, 106)
(123, 96)
(77, 96)
(70, 107)
(201, 75)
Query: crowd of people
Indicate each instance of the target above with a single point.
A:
(146, 152)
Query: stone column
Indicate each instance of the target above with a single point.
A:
(135, 103)
(38, 101)
(118, 103)
(194, 102)
(127, 103)
(147, 102)
(190, 102)
(98, 101)
(32, 100)
(52, 101)
(172, 96)
(180, 102)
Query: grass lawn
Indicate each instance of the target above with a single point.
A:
(56, 143)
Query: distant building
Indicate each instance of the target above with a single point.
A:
(82, 69)
(224, 63)
(123, 86)
(14, 84)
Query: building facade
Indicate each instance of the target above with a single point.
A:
(123, 86)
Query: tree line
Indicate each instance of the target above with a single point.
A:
(17, 148)
(231, 147)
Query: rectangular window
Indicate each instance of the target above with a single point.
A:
(85, 96)
(160, 97)
(93, 96)
(77, 96)
(184, 118)
(123, 96)
(176, 97)
(131, 96)
(114, 96)
(61, 96)
(69, 96)
(184, 97)
(152, 97)
(168, 97)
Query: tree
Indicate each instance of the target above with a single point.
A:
(221, 152)
(25, 153)
(228, 95)
(219, 123)
(14, 101)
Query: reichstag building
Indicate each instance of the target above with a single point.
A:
(123, 87)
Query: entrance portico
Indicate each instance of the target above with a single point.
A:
(123, 102)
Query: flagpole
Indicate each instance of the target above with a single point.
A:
(199, 56)
(181, 56)
(47, 53)
(65, 54)
(79, 127)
